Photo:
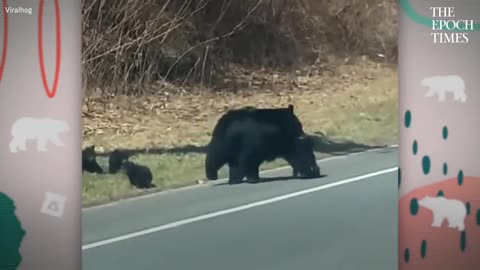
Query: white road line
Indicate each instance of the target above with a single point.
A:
(235, 209)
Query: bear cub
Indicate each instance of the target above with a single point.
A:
(116, 159)
(139, 176)
(89, 160)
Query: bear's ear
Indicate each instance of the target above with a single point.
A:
(290, 108)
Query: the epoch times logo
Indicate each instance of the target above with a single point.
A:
(444, 19)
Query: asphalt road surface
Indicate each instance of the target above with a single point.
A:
(346, 220)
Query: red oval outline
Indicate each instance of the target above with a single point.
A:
(58, 44)
(5, 39)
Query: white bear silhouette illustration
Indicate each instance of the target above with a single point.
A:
(41, 129)
(440, 85)
(452, 210)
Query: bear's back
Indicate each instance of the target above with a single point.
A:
(282, 118)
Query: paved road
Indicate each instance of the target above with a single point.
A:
(345, 220)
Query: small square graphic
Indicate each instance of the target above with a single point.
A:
(53, 204)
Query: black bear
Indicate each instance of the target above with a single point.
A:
(89, 160)
(244, 138)
(139, 176)
(116, 159)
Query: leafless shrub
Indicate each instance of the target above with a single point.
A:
(131, 45)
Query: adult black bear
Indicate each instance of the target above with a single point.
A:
(116, 159)
(89, 160)
(245, 138)
(139, 176)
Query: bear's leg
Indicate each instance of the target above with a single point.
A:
(217, 156)
(459, 95)
(462, 96)
(253, 175)
(248, 163)
(42, 144)
(452, 223)
(461, 226)
(13, 147)
(252, 166)
(456, 223)
(56, 140)
(17, 143)
(437, 220)
(441, 95)
(22, 145)
(145, 179)
(142, 182)
(235, 174)
(430, 93)
(456, 95)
